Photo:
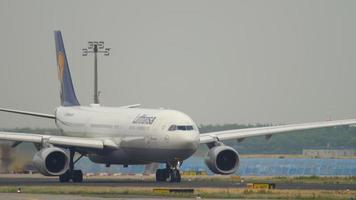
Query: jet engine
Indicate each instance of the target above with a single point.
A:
(222, 159)
(51, 161)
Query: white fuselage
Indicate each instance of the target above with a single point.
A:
(142, 135)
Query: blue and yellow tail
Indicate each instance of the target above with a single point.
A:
(68, 97)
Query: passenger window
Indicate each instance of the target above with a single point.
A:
(189, 128)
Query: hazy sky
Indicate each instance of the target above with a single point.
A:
(218, 61)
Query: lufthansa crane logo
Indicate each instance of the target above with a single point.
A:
(144, 119)
(60, 62)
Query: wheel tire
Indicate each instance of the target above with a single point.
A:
(77, 176)
(166, 174)
(175, 176)
(178, 177)
(160, 176)
(64, 177)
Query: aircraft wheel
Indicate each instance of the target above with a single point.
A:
(175, 176)
(165, 174)
(77, 176)
(64, 177)
(160, 175)
(178, 177)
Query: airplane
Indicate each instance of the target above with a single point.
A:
(131, 135)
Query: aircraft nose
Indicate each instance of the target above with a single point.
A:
(190, 141)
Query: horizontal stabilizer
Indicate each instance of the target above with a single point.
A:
(28, 113)
(131, 106)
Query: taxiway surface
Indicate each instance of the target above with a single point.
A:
(142, 181)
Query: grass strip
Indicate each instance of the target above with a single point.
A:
(232, 193)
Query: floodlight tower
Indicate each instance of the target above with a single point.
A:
(96, 47)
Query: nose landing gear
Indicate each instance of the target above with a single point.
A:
(170, 173)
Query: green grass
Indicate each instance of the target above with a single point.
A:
(202, 192)
(305, 179)
(278, 179)
(232, 193)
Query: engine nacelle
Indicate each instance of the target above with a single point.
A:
(51, 161)
(222, 160)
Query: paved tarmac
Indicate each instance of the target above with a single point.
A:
(142, 181)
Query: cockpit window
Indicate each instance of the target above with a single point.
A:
(180, 128)
(172, 128)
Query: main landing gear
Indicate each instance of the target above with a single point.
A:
(170, 173)
(72, 174)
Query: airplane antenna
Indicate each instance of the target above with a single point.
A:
(96, 47)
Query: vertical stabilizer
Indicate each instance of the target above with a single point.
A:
(67, 94)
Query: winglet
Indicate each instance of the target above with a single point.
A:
(67, 93)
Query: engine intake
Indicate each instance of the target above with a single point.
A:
(222, 160)
(51, 161)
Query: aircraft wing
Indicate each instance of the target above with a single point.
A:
(240, 134)
(65, 141)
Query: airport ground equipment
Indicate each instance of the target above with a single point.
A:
(261, 185)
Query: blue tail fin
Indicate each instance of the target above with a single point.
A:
(68, 97)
